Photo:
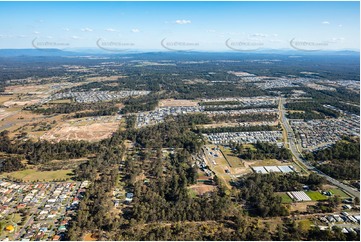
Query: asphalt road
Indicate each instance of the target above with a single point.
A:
(292, 145)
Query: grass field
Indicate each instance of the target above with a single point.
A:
(192, 193)
(339, 192)
(316, 196)
(34, 175)
(232, 158)
(285, 198)
(305, 224)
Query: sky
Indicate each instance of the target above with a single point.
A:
(203, 26)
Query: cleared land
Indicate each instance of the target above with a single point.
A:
(233, 160)
(176, 103)
(83, 129)
(200, 188)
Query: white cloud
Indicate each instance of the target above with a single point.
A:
(66, 29)
(110, 30)
(75, 37)
(135, 30)
(36, 32)
(340, 25)
(87, 30)
(183, 21)
(325, 22)
(211, 31)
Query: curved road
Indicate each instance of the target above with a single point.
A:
(292, 145)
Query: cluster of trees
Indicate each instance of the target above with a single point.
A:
(252, 117)
(60, 108)
(174, 132)
(140, 104)
(235, 129)
(165, 198)
(103, 112)
(258, 190)
(262, 150)
(307, 115)
(214, 103)
(291, 230)
(9, 164)
(238, 107)
(343, 159)
(339, 98)
(312, 110)
(43, 151)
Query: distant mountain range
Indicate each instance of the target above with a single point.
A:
(94, 51)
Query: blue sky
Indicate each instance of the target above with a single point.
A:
(180, 25)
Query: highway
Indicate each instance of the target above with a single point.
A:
(298, 156)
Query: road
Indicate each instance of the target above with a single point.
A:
(298, 156)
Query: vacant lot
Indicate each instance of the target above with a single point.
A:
(5, 98)
(233, 160)
(175, 103)
(82, 130)
(200, 188)
(34, 175)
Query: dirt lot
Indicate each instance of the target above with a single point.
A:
(21, 103)
(103, 78)
(301, 206)
(89, 237)
(202, 188)
(91, 132)
(175, 103)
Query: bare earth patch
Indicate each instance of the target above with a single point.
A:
(177, 103)
(202, 188)
(91, 132)
(89, 237)
(21, 103)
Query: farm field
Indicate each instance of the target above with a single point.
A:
(29, 175)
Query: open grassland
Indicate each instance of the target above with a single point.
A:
(285, 197)
(29, 175)
(304, 224)
(234, 161)
(316, 196)
(338, 192)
